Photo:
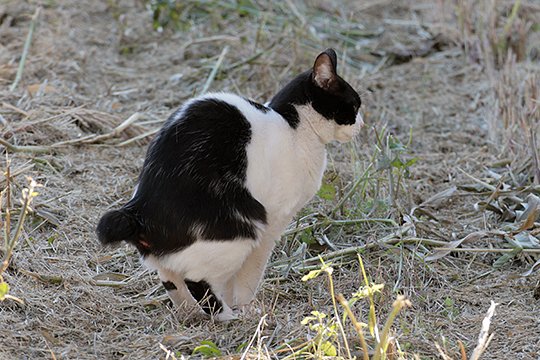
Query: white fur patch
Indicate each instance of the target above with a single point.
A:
(208, 260)
(285, 166)
(345, 133)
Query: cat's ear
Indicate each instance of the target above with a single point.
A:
(324, 70)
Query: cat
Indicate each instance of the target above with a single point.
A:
(222, 180)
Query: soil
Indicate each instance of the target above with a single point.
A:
(93, 64)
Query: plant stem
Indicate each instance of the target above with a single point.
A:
(11, 241)
(25, 50)
(356, 324)
(215, 69)
(352, 190)
(333, 295)
(382, 345)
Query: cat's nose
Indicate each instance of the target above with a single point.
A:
(359, 121)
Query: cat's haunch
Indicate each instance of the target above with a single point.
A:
(222, 180)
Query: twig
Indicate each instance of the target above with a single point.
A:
(201, 40)
(351, 191)
(48, 119)
(534, 150)
(13, 173)
(108, 283)
(363, 221)
(53, 279)
(487, 250)
(296, 13)
(16, 109)
(484, 338)
(328, 222)
(25, 148)
(116, 131)
(25, 49)
(138, 137)
(215, 69)
(258, 331)
(483, 183)
(391, 239)
(462, 350)
(336, 312)
(251, 58)
(84, 140)
(442, 353)
(169, 353)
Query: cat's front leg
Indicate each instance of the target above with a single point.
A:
(245, 282)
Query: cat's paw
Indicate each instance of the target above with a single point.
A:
(248, 310)
(226, 315)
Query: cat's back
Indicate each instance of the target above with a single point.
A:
(207, 136)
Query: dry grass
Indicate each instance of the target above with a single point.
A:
(98, 81)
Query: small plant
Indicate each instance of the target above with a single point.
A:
(483, 39)
(326, 334)
(207, 349)
(181, 15)
(393, 158)
(327, 331)
(12, 234)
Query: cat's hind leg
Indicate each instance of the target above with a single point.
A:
(187, 295)
(176, 289)
(210, 296)
(247, 279)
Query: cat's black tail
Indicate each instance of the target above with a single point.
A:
(116, 226)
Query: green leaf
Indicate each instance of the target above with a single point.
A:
(384, 163)
(372, 319)
(327, 192)
(306, 237)
(397, 163)
(411, 162)
(506, 258)
(207, 349)
(395, 144)
(311, 275)
(240, 348)
(328, 349)
(4, 289)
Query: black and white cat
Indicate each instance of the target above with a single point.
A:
(223, 179)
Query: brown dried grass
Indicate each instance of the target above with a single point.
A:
(94, 64)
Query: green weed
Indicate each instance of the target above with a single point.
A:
(12, 230)
(181, 15)
(326, 341)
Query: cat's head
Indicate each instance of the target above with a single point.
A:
(323, 99)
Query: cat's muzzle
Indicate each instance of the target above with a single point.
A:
(345, 133)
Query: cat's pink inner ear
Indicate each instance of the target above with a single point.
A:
(324, 73)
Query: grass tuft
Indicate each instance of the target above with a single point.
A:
(12, 230)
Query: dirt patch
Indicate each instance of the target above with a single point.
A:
(92, 65)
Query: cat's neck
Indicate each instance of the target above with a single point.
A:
(294, 92)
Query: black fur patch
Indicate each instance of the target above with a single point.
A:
(259, 107)
(169, 285)
(192, 182)
(202, 292)
(340, 104)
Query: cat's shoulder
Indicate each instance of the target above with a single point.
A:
(223, 109)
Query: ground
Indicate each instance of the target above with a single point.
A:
(433, 96)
